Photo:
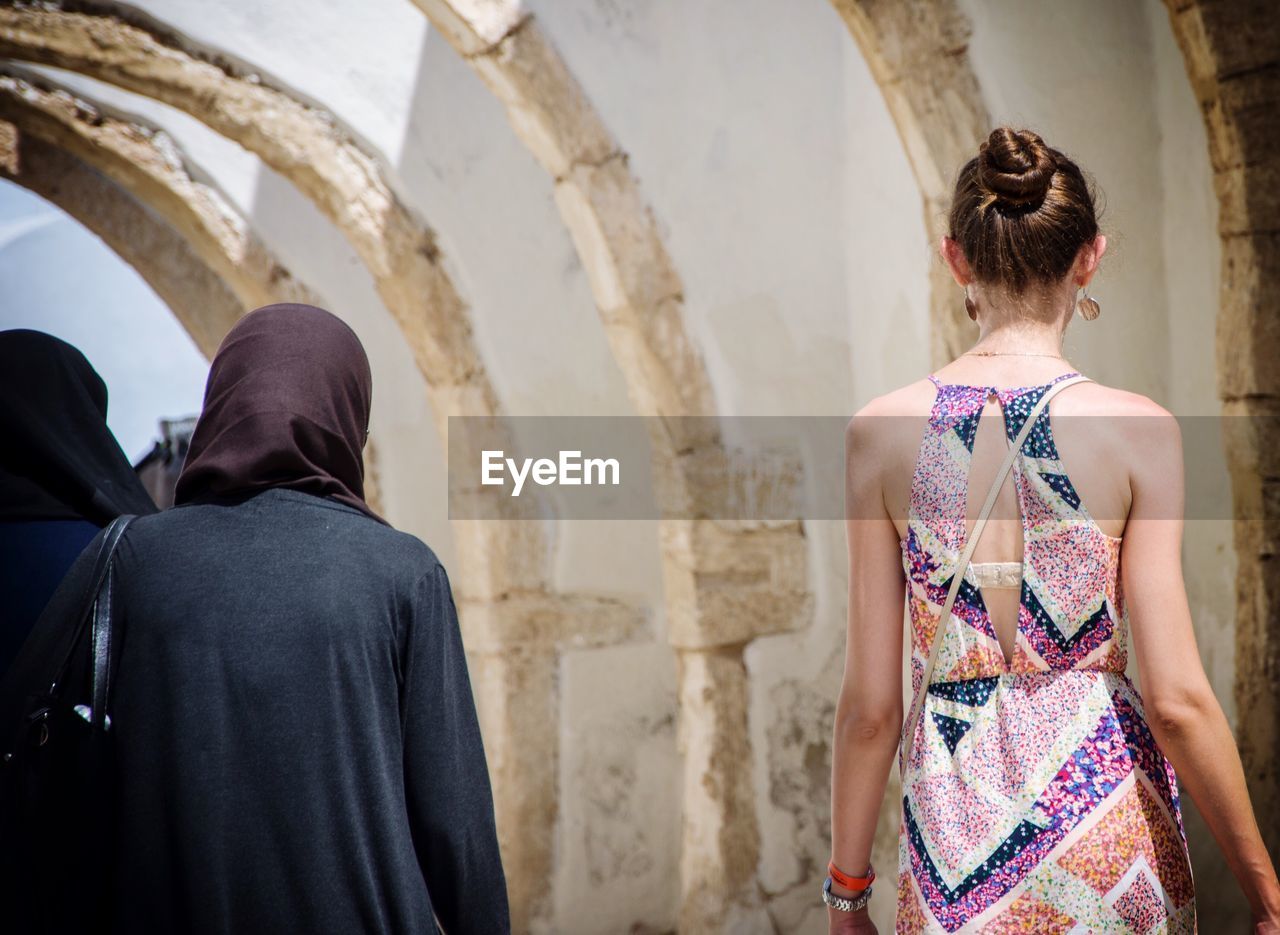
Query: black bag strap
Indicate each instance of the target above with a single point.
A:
(98, 616)
(100, 641)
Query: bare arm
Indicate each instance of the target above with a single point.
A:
(1184, 716)
(869, 711)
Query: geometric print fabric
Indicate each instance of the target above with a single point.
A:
(1036, 798)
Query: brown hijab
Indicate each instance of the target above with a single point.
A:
(286, 405)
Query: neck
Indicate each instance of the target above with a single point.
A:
(1020, 337)
(1028, 324)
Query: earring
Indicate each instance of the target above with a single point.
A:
(970, 306)
(1088, 306)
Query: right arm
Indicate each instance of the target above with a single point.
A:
(868, 717)
(1184, 715)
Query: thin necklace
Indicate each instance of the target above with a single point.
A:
(1009, 354)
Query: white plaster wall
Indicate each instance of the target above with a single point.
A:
(740, 154)
(1193, 257)
(618, 843)
(1081, 75)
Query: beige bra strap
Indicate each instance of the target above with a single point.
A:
(958, 575)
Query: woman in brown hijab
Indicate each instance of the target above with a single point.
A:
(297, 742)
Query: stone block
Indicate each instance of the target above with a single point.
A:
(1249, 318)
(721, 842)
(551, 621)
(547, 107)
(665, 372)
(495, 559)
(1240, 117)
(727, 584)
(1249, 198)
(517, 700)
(615, 235)
(1232, 37)
(472, 26)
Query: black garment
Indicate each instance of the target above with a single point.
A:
(34, 556)
(297, 739)
(60, 467)
(58, 459)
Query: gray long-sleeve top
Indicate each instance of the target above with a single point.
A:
(298, 747)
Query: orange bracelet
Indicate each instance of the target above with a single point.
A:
(848, 882)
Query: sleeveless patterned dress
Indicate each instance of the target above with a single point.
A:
(1036, 798)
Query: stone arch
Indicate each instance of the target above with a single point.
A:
(304, 144)
(513, 619)
(165, 260)
(918, 53)
(203, 300)
(140, 161)
(1232, 55)
(640, 298)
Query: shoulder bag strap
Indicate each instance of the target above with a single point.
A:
(106, 551)
(101, 633)
(101, 566)
(962, 565)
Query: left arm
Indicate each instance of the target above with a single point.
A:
(450, 801)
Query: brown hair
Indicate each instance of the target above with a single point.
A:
(1022, 210)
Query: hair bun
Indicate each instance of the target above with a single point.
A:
(1015, 167)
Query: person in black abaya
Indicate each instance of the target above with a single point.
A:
(62, 474)
(296, 738)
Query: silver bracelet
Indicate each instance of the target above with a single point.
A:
(842, 904)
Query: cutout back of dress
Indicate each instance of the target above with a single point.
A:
(1069, 611)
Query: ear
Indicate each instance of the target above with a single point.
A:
(1089, 258)
(954, 257)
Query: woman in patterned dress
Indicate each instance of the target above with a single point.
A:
(1039, 791)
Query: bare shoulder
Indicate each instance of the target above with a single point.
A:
(914, 400)
(885, 432)
(1120, 422)
(1092, 398)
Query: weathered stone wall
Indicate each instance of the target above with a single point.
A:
(1232, 52)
